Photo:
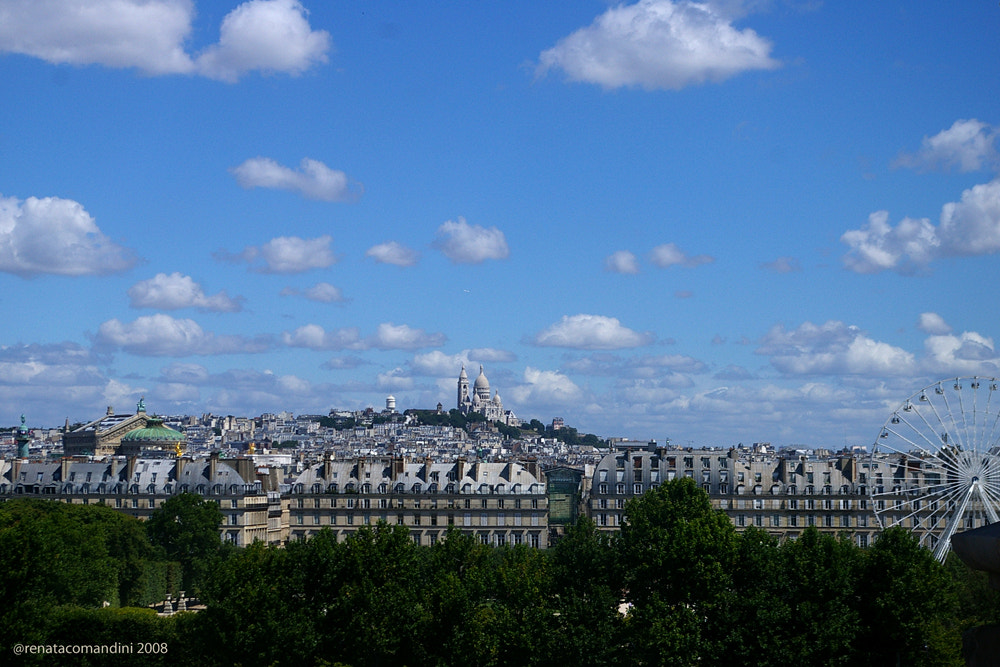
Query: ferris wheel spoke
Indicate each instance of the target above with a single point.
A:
(942, 460)
(945, 437)
(935, 444)
(953, 523)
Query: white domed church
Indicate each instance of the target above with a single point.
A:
(480, 401)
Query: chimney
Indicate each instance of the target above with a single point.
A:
(64, 469)
(327, 472)
(460, 472)
(398, 467)
(130, 468)
(179, 464)
(245, 469)
(213, 464)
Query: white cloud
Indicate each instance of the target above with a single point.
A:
(162, 335)
(463, 243)
(145, 34)
(972, 226)
(879, 246)
(438, 364)
(387, 336)
(591, 332)
(968, 145)
(314, 337)
(176, 291)
(264, 35)
(394, 380)
(48, 366)
(150, 35)
(286, 254)
(669, 254)
(392, 252)
(658, 44)
(55, 236)
(320, 292)
(833, 348)
(934, 324)
(312, 179)
(621, 261)
(546, 388)
(967, 354)
(968, 227)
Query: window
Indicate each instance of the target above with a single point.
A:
(637, 489)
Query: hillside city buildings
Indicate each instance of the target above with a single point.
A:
(279, 477)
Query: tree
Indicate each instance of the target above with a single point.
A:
(909, 606)
(677, 555)
(186, 529)
(587, 592)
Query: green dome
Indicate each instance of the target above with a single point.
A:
(154, 433)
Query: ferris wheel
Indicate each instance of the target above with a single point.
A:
(935, 467)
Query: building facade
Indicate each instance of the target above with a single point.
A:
(498, 502)
(781, 495)
(138, 486)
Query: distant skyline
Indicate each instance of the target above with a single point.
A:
(716, 222)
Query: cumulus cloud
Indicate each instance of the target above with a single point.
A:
(286, 254)
(394, 380)
(315, 337)
(176, 291)
(438, 364)
(546, 388)
(161, 335)
(48, 366)
(833, 348)
(967, 228)
(55, 236)
(591, 332)
(150, 35)
(669, 254)
(266, 36)
(621, 261)
(934, 324)
(463, 243)
(658, 44)
(395, 253)
(968, 145)
(387, 336)
(390, 336)
(969, 353)
(320, 292)
(313, 179)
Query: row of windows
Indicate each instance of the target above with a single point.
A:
(467, 519)
(417, 503)
(495, 538)
(796, 520)
(723, 488)
(400, 488)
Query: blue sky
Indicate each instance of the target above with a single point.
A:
(715, 222)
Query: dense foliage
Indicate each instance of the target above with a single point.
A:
(676, 586)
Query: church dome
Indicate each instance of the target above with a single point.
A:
(154, 434)
(481, 381)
